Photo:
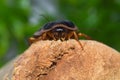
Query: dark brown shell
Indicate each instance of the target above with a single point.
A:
(51, 25)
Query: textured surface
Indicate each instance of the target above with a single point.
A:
(56, 60)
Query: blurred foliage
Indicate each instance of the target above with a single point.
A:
(13, 23)
(99, 19)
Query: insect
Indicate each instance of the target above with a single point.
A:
(58, 30)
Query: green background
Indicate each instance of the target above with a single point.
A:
(100, 19)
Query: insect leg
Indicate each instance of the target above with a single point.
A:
(76, 38)
(84, 35)
(43, 37)
(70, 35)
(51, 36)
(63, 36)
(31, 40)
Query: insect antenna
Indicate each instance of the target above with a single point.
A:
(45, 17)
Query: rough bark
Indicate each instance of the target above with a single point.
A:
(56, 60)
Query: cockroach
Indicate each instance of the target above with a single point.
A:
(58, 30)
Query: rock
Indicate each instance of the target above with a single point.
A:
(56, 60)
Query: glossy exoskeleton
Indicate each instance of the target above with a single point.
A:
(57, 30)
